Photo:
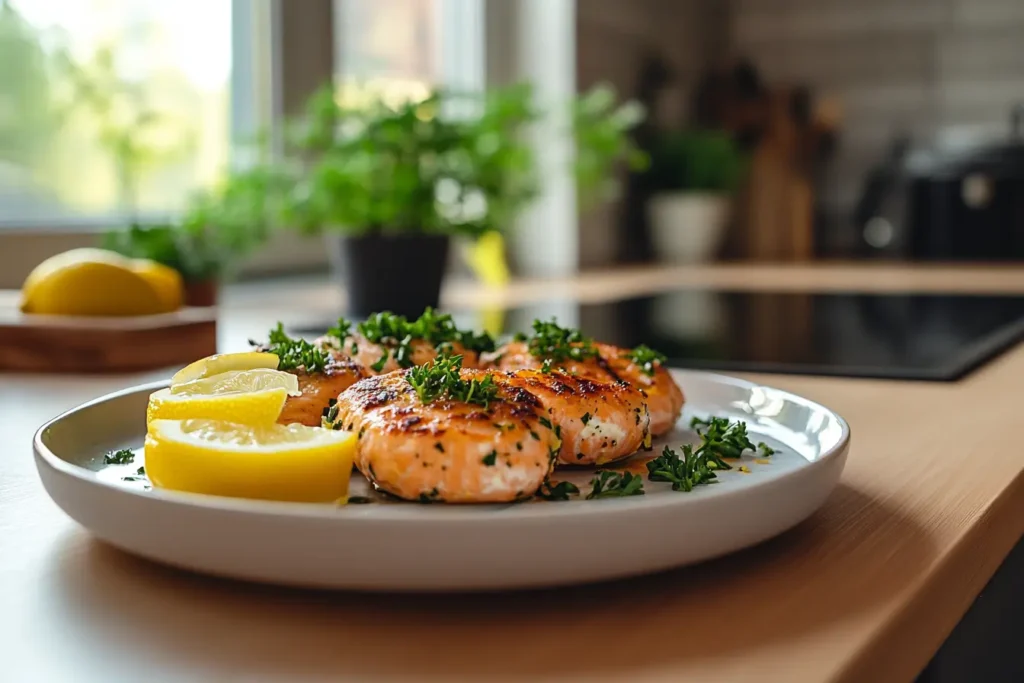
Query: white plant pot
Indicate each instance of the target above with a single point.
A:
(688, 227)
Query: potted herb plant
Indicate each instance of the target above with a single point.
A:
(693, 176)
(218, 228)
(391, 184)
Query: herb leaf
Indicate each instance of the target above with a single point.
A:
(560, 491)
(341, 330)
(719, 439)
(764, 449)
(686, 472)
(123, 456)
(441, 378)
(558, 344)
(609, 484)
(296, 353)
(722, 438)
(646, 358)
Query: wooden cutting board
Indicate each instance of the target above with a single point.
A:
(52, 343)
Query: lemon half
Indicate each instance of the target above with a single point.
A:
(165, 280)
(272, 462)
(253, 397)
(90, 288)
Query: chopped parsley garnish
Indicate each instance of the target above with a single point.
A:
(557, 344)
(686, 472)
(341, 330)
(585, 419)
(560, 491)
(764, 449)
(646, 358)
(295, 353)
(141, 471)
(396, 333)
(490, 458)
(545, 367)
(608, 484)
(120, 457)
(439, 447)
(329, 417)
(359, 500)
(441, 378)
(380, 363)
(544, 422)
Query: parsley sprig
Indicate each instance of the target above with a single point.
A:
(609, 484)
(722, 438)
(719, 439)
(441, 379)
(557, 344)
(295, 353)
(692, 469)
(646, 358)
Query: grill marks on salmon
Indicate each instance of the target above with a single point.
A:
(598, 422)
(612, 364)
(449, 451)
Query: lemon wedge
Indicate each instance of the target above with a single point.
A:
(225, 362)
(272, 462)
(253, 397)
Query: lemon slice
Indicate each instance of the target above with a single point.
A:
(224, 362)
(273, 462)
(253, 397)
(239, 382)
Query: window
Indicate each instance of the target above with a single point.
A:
(115, 108)
(387, 46)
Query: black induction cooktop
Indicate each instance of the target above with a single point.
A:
(892, 336)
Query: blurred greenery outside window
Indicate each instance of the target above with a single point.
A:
(110, 109)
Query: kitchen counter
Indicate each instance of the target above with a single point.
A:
(930, 503)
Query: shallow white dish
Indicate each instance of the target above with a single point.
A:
(414, 547)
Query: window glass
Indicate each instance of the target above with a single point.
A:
(110, 108)
(388, 47)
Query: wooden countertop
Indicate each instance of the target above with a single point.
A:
(931, 501)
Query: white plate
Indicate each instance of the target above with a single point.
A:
(414, 547)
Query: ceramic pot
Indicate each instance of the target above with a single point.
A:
(688, 227)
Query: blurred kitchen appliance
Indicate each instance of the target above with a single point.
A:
(963, 205)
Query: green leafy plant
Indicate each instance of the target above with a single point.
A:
(218, 228)
(601, 126)
(696, 161)
(455, 163)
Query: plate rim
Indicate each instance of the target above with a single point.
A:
(495, 513)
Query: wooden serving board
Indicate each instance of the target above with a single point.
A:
(53, 343)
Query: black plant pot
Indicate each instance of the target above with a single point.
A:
(400, 273)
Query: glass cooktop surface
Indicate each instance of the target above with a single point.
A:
(896, 336)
